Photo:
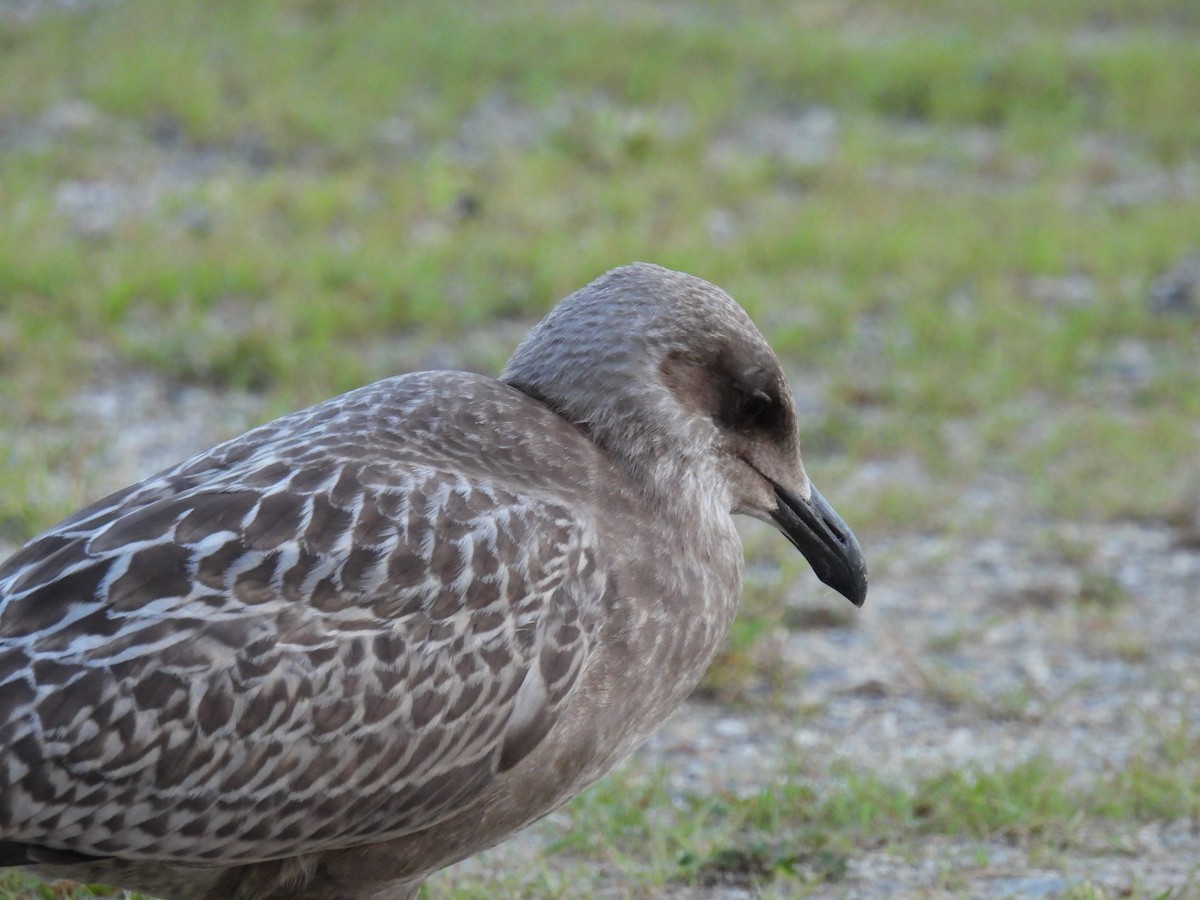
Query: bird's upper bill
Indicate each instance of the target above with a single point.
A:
(829, 546)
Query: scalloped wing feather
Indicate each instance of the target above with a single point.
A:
(295, 642)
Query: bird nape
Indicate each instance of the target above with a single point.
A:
(371, 638)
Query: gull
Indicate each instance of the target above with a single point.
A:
(366, 640)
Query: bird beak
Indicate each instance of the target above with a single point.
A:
(828, 545)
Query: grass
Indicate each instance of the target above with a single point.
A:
(786, 839)
(294, 197)
(300, 178)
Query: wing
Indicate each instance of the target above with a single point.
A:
(260, 659)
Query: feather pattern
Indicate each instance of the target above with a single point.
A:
(319, 612)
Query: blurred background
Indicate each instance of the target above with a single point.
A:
(971, 230)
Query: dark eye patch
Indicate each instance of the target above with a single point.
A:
(736, 399)
(751, 408)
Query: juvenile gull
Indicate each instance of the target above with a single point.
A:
(373, 637)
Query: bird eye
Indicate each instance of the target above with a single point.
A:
(752, 407)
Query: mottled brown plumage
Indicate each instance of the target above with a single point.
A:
(373, 637)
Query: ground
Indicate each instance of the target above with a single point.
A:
(972, 232)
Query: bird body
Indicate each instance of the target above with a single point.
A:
(371, 638)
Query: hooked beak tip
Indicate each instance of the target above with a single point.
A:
(828, 544)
